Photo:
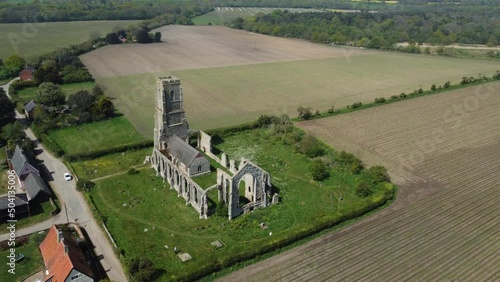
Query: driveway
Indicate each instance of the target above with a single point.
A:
(73, 209)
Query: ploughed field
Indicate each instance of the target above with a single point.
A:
(233, 76)
(444, 152)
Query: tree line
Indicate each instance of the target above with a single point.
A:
(55, 11)
(374, 30)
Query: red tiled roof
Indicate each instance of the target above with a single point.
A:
(60, 257)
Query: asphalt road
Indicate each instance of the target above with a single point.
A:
(74, 209)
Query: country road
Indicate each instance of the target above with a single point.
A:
(74, 208)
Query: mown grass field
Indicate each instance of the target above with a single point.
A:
(95, 136)
(226, 96)
(32, 262)
(132, 203)
(444, 223)
(30, 39)
(31, 93)
(110, 164)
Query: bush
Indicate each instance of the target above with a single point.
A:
(394, 97)
(132, 171)
(379, 174)
(447, 84)
(311, 147)
(84, 185)
(363, 190)
(356, 105)
(402, 95)
(433, 87)
(304, 113)
(319, 170)
(420, 90)
(380, 100)
(142, 269)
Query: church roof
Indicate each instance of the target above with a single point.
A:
(182, 151)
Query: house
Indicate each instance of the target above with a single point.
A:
(21, 206)
(36, 189)
(21, 165)
(63, 258)
(187, 158)
(29, 110)
(26, 74)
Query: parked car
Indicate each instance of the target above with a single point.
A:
(68, 176)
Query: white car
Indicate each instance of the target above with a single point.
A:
(68, 176)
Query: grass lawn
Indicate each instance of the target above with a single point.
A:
(95, 136)
(31, 93)
(132, 203)
(39, 214)
(47, 37)
(110, 164)
(3, 181)
(32, 262)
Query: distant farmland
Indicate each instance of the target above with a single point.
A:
(28, 39)
(232, 76)
(220, 15)
(444, 224)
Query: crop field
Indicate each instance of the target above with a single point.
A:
(443, 150)
(220, 15)
(95, 136)
(232, 76)
(29, 39)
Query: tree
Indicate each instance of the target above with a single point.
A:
(97, 91)
(7, 109)
(319, 170)
(13, 132)
(50, 94)
(112, 38)
(14, 63)
(378, 174)
(447, 84)
(304, 113)
(48, 72)
(103, 108)
(363, 189)
(433, 87)
(157, 37)
(311, 147)
(142, 36)
(81, 101)
(142, 269)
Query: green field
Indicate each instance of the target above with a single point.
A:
(220, 15)
(150, 204)
(31, 93)
(30, 39)
(226, 96)
(110, 164)
(32, 262)
(95, 136)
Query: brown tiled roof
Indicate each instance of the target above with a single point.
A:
(62, 256)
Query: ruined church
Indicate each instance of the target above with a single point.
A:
(178, 163)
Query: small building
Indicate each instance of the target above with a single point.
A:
(21, 165)
(36, 189)
(26, 74)
(63, 258)
(187, 158)
(29, 110)
(21, 207)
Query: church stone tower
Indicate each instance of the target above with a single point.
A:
(169, 117)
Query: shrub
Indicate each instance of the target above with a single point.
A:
(363, 190)
(378, 174)
(304, 113)
(311, 147)
(420, 90)
(84, 185)
(402, 95)
(433, 87)
(331, 110)
(132, 171)
(447, 84)
(318, 170)
(394, 97)
(356, 166)
(142, 269)
(380, 100)
(356, 105)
